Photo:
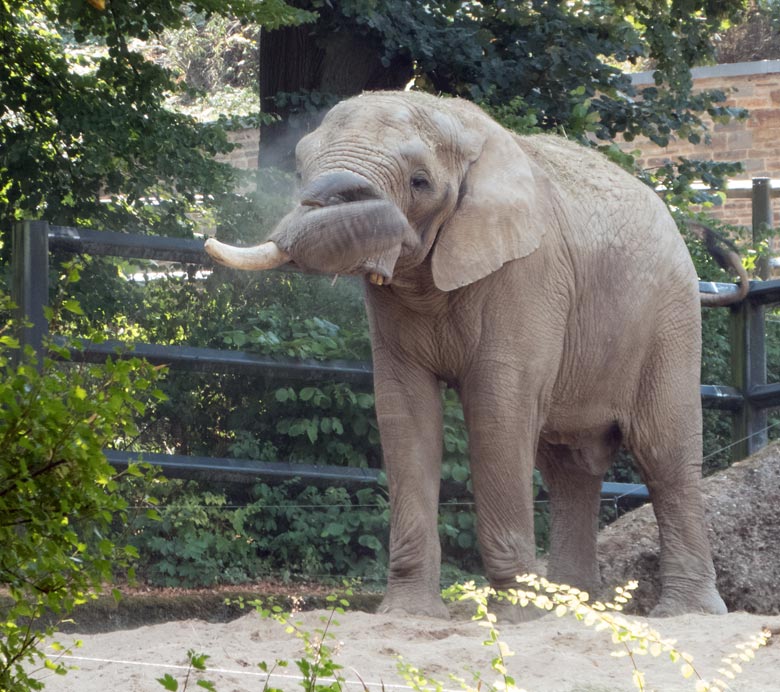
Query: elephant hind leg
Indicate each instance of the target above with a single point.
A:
(665, 439)
(573, 477)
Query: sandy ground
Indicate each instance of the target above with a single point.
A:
(551, 654)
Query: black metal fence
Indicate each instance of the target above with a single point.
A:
(749, 396)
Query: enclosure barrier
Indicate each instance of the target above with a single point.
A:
(748, 399)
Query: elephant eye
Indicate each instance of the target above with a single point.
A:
(420, 182)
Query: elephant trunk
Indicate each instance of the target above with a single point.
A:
(363, 237)
(342, 226)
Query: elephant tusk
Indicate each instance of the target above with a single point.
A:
(268, 255)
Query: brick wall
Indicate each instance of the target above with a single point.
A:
(244, 156)
(754, 142)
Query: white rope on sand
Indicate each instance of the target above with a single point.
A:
(224, 671)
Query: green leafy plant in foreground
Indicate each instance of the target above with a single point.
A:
(58, 493)
(319, 671)
(195, 663)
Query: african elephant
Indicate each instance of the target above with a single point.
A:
(551, 289)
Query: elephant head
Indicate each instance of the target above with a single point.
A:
(391, 179)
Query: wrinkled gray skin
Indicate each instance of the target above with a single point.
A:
(553, 291)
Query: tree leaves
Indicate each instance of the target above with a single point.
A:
(88, 139)
(556, 58)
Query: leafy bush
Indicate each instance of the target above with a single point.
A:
(58, 494)
(204, 538)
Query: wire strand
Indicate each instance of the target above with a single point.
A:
(744, 439)
(226, 671)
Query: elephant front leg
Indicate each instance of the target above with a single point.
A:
(409, 413)
(502, 442)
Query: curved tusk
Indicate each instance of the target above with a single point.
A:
(268, 255)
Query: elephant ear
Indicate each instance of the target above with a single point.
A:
(499, 217)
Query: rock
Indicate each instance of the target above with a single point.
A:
(743, 515)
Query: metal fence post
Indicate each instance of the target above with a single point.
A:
(748, 342)
(30, 279)
(748, 362)
(762, 220)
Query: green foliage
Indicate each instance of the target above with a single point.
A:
(201, 537)
(677, 180)
(196, 663)
(562, 62)
(214, 53)
(58, 494)
(230, 415)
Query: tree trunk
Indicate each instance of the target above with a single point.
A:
(303, 59)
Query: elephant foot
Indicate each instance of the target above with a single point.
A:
(413, 604)
(510, 614)
(708, 602)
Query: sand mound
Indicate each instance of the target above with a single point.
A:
(743, 514)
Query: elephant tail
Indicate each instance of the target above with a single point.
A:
(725, 253)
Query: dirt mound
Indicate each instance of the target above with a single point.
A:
(743, 514)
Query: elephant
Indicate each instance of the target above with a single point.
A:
(551, 289)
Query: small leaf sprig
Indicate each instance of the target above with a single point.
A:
(635, 638)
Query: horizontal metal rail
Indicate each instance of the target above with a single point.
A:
(179, 466)
(764, 396)
(721, 398)
(713, 287)
(210, 360)
(359, 373)
(764, 292)
(127, 245)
